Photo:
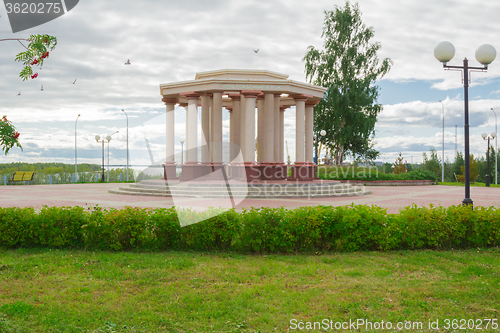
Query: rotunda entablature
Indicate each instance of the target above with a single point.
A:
(233, 81)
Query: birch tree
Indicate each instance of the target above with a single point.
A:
(348, 66)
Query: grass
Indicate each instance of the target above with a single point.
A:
(476, 184)
(79, 291)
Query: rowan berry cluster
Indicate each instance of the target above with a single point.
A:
(36, 61)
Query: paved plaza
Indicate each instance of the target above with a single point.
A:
(89, 195)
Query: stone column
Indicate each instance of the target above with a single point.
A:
(301, 170)
(216, 147)
(299, 129)
(205, 128)
(261, 129)
(169, 171)
(192, 128)
(268, 144)
(185, 107)
(282, 135)
(242, 124)
(170, 129)
(235, 125)
(276, 112)
(232, 131)
(250, 97)
(309, 131)
(251, 171)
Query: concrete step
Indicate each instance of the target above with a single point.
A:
(204, 190)
(243, 196)
(233, 184)
(242, 193)
(249, 188)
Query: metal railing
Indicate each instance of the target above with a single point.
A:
(82, 177)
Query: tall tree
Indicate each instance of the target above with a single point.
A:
(458, 164)
(433, 163)
(399, 166)
(348, 66)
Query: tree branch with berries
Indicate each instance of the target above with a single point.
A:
(38, 49)
(9, 137)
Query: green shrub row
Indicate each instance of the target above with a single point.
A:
(368, 175)
(320, 228)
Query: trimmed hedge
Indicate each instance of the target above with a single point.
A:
(264, 230)
(370, 174)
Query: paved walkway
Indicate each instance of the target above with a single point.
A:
(88, 195)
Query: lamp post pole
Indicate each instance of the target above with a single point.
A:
(486, 136)
(315, 149)
(102, 177)
(442, 162)
(107, 170)
(496, 149)
(485, 54)
(97, 138)
(76, 169)
(127, 140)
(182, 140)
(488, 164)
(109, 139)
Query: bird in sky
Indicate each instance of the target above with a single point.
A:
(128, 62)
(256, 51)
(19, 94)
(74, 81)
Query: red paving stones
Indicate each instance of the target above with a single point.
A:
(88, 195)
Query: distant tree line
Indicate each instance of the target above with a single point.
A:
(453, 171)
(47, 168)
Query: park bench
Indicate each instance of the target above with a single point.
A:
(23, 176)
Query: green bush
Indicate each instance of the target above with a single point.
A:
(15, 228)
(56, 227)
(125, 229)
(217, 232)
(370, 174)
(165, 229)
(260, 230)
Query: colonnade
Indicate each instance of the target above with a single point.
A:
(241, 106)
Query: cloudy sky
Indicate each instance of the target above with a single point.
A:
(168, 41)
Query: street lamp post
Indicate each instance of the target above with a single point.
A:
(182, 140)
(76, 169)
(127, 140)
(496, 149)
(442, 162)
(109, 139)
(97, 138)
(486, 136)
(322, 133)
(485, 54)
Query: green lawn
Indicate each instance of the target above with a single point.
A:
(78, 291)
